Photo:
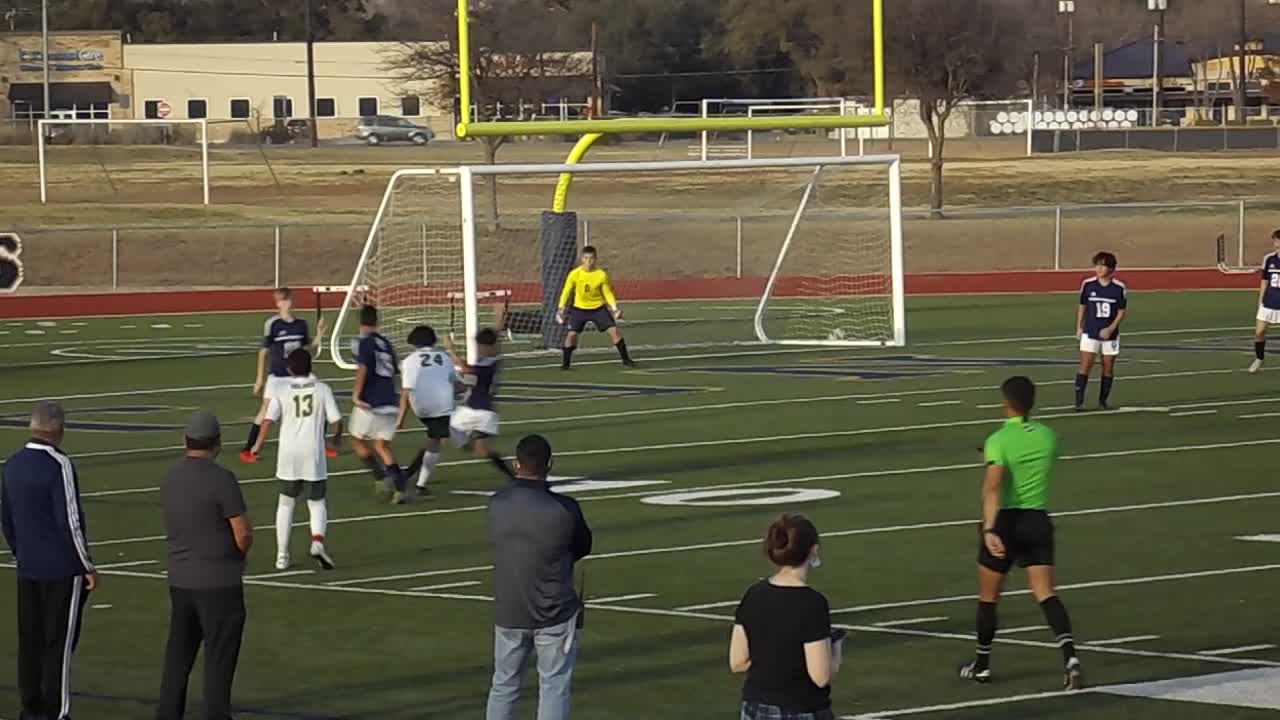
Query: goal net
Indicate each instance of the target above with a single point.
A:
(786, 250)
(123, 159)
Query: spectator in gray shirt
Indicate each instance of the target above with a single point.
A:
(209, 536)
(537, 537)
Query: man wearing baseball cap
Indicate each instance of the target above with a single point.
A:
(209, 536)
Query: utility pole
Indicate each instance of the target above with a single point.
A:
(1157, 74)
(44, 53)
(1241, 88)
(311, 78)
(1068, 8)
(597, 99)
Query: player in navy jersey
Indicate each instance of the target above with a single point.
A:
(476, 421)
(377, 402)
(1103, 305)
(1268, 303)
(281, 334)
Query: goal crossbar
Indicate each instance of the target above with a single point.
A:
(203, 124)
(470, 295)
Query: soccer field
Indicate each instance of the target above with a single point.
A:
(878, 447)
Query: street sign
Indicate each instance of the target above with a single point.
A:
(11, 271)
(163, 109)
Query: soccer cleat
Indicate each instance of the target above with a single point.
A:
(1256, 366)
(970, 671)
(423, 492)
(248, 457)
(630, 363)
(282, 562)
(330, 453)
(1104, 407)
(1073, 679)
(1079, 408)
(399, 498)
(321, 555)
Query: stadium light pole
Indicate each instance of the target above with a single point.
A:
(1157, 78)
(44, 52)
(1068, 8)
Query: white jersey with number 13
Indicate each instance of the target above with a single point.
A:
(302, 413)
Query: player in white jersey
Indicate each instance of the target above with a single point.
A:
(303, 410)
(428, 385)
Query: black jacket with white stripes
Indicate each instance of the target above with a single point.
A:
(42, 518)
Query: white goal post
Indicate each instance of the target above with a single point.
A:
(44, 127)
(825, 234)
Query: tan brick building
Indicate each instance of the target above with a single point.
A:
(87, 76)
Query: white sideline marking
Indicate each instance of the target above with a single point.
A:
(1193, 412)
(1124, 640)
(1071, 586)
(1023, 629)
(1259, 415)
(622, 598)
(937, 403)
(911, 621)
(1241, 649)
(446, 586)
(134, 563)
(985, 702)
(881, 401)
(429, 573)
(282, 573)
(707, 606)
(101, 606)
(1272, 538)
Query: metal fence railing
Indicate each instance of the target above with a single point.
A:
(1051, 237)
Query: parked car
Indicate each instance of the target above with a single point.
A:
(384, 128)
(282, 132)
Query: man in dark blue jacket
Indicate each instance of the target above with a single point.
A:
(537, 537)
(44, 527)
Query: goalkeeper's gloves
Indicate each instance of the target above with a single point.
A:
(560, 317)
(617, 312)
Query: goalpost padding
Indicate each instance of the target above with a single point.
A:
(821, 239)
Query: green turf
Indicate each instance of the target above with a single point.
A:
(901, 529)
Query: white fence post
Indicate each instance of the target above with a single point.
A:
(586, 232)
(115, 259)
(1057, 237)
(738, 221)
(277, 255)
(1240, 238)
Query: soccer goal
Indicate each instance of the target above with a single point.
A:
(785, 251)
(89, 136)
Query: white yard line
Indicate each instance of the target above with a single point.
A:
(1023, 629)
(911, 621)
(279, 574)
(446, 586)
(1259, 415)
(1124, 640)
(881, 401)
(984, 702)
(134, 563)
(1189, 413)
(621, 598)
(1241, 649)
(938, 403)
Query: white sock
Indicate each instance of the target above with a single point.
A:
(319, 510)
(429, 460)
(284, 521)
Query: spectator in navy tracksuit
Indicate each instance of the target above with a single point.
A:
(44, 527)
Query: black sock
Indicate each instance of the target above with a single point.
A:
(397, 477)
(254, 430)
(416, 465)
(566, 354)
(1082, 382)
(1060, 623)
(986, 634)
(1260, 349)
(375, 467)
(1105, 393)
(622, 351)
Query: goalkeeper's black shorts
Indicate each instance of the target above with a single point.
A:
(600, 317)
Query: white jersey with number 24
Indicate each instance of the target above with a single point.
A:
(429, 376)
(302, 413)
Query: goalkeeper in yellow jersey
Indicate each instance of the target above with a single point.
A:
(593, 302)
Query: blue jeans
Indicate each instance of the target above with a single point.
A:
(556, 648)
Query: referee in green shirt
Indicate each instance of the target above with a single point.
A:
(1016, 527)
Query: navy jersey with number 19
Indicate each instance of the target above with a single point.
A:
(1102, 302)
(281, 337)
(1271, 274)
(376, 355)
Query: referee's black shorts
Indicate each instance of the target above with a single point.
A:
(1028, 540)
(600, 317)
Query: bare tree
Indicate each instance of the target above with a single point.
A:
(943, 53)
(517, 58)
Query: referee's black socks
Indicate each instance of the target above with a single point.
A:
(986, 635)
(566, 356)
(1082, 382)
(1056, 615)
(254, 430)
